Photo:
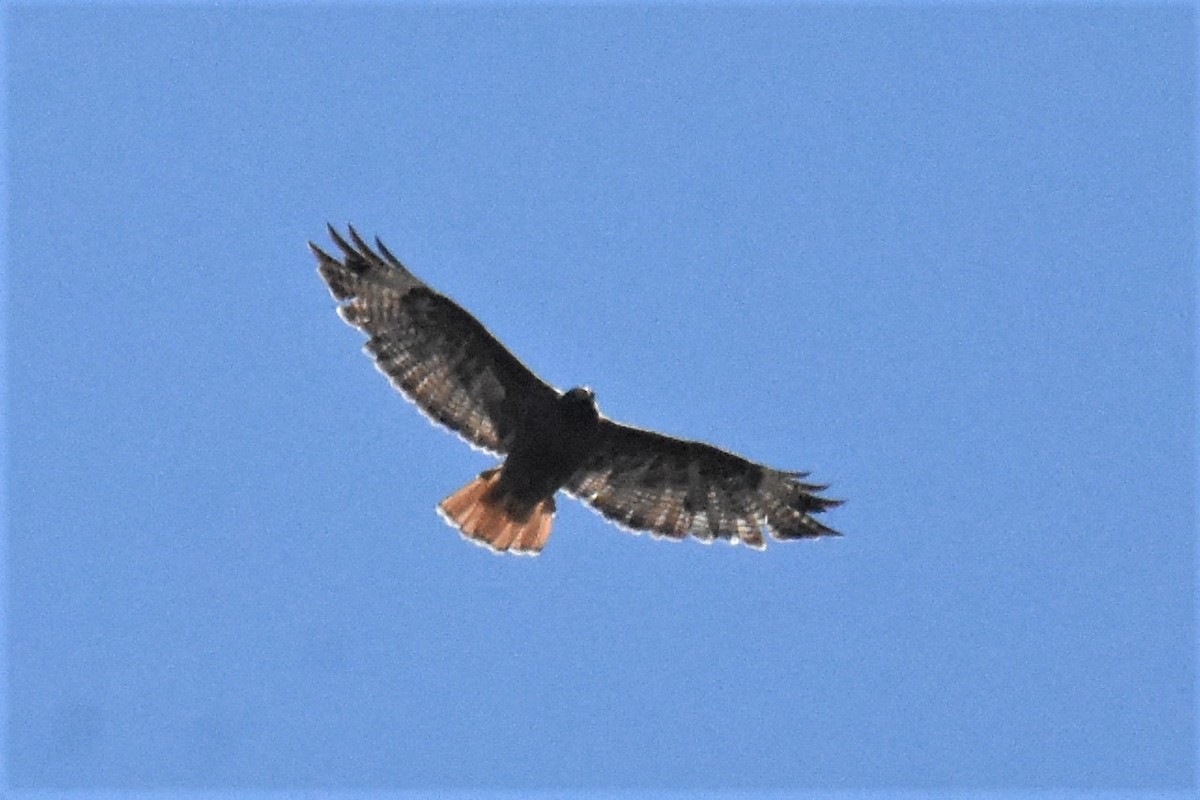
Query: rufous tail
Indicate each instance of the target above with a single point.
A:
(484, 517)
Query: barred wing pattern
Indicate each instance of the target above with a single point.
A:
(644, 480)
(438, 356)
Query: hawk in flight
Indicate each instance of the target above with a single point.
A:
(449, 365)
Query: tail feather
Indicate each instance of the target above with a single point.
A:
(485, 518)
(506, 532)
(464, 500)
(534, 538)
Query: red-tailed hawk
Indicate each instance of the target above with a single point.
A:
(443, 360)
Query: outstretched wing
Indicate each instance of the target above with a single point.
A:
(439, 356)
(671, 487)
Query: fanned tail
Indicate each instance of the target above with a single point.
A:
(486, 518)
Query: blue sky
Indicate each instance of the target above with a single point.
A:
(942, 256)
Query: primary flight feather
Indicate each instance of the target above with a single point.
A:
(449, 365)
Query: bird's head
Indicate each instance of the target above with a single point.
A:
(581, 402)
(580, 394)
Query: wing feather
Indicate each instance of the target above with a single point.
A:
(434, 352)
(644, 480)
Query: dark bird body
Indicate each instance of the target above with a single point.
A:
(454, 370)
(550, 447)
